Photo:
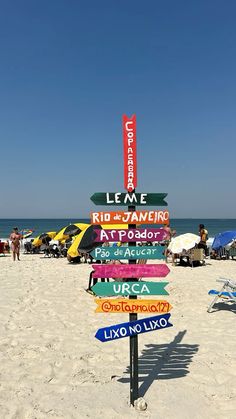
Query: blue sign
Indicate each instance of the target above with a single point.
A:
(124, 330)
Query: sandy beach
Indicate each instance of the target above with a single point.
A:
(53, 367)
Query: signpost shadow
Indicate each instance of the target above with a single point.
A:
(163, 362)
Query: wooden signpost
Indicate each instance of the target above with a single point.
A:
(108, 289)
(127, 271)
(133, 328)
(130, 286)
(118, 253)
(123, 305)
(131, 235)
(133, 198)
(130, 217)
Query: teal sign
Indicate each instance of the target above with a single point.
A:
(131, 252)
(108, 289)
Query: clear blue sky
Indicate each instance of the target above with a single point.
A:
(70, 69)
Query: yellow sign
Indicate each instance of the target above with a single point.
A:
(123, 305)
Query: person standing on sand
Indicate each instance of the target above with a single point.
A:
(203, 238)
(169, 234)
(15, 238)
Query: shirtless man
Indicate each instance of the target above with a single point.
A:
(15, 238)
(203, 238)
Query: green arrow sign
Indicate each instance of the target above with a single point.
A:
(139, 252)
(108, 289)
(120, 198)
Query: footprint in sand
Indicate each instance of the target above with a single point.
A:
(10, 326)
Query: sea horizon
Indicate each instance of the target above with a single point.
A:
(78, 219)
(181, 225)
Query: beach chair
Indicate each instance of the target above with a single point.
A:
(93, 281)
(227, 292)
(28, 247)
(196, 255)
(232, 252)
(54, 251)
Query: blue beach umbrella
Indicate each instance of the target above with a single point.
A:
(222, 239)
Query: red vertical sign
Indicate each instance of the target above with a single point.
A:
(129, 140)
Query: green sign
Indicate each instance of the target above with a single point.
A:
(133, 198)
(108, 289)
(139, 252)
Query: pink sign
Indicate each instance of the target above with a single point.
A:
(131, 235)
(130, 271)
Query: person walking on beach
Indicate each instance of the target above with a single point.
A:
(203, 238)
(15, 238)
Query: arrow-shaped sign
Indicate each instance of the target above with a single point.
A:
(133, 198)
(131, 235)
(109, 289)
(124, 330)
(117, 253)
(130, 217)
(124, 305)
(130, 271)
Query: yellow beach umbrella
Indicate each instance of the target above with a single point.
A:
(70, 230)
(84, 241)
(38, 240)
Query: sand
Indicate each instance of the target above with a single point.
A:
(53, 367)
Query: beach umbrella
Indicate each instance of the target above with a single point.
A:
(39, 240)
(183, 242)
(84, 242)
(26, 232)
(70, 230)
(222, 239)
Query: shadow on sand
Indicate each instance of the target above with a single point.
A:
(224, 306)
(163, 362)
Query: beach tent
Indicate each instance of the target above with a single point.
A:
(70, 230)
(222, 239)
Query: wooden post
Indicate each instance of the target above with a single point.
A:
(133, 340)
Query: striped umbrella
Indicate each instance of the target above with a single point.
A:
(38, 240)
(26, 232)
(84, 242)
(70, 230)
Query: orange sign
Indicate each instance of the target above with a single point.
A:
(126, 217)
(123, 305)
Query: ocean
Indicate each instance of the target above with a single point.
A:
(181, 225)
